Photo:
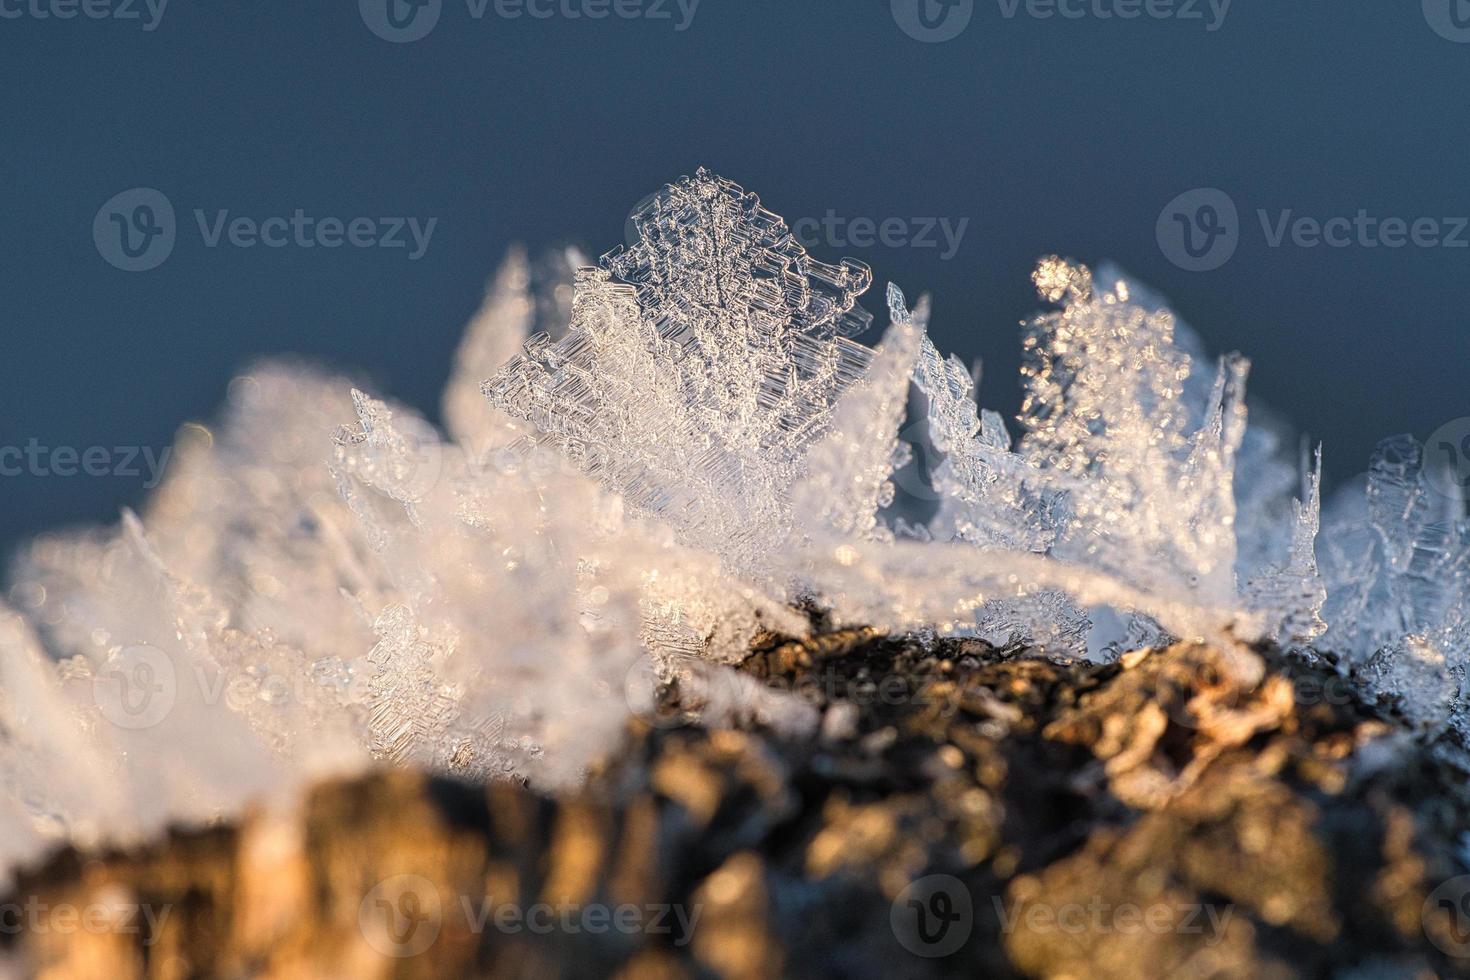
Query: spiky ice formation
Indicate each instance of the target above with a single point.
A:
(848, 473)
(687, 441)
(701, 363)
(1396, 555)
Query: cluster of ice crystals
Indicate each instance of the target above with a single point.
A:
(1126, 467)
(1141, 496)
(702, 362)
(985, 495)
(678, 445)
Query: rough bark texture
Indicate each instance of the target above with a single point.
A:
(1149, 818)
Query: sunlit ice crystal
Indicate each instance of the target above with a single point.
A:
(989, 496)
(848, 472)
(1268, 467)
(484, 662)
(1147, 499)
(521, 595)
(1125, 467)
(702, 362)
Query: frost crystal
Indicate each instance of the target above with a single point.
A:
(1292, 594)
(1143, 498)
(1397, 564)
(677, 445)
(523, 299)
(702, 363)
(986, 497)
(849, 471)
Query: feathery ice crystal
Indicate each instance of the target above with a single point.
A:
(680, 446)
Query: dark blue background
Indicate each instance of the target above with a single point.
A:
(1048, 135)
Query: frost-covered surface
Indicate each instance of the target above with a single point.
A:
(673, 450)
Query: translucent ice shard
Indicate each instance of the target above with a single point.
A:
(849, 470)
(1292, 594)
(1396, 554)
(1396, 557)
(523, 299)
(485, 629)
(1267, 468)
(985, 495)
(1126, 465)
(702, 363)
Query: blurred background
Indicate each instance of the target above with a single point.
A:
(948, 144)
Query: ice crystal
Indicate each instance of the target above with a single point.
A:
(1396, 557)
(986, 495)
(1292, 594)
(678, 445)
(1144, 498)
(848, 471)
(523, 299)
(702, 362)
